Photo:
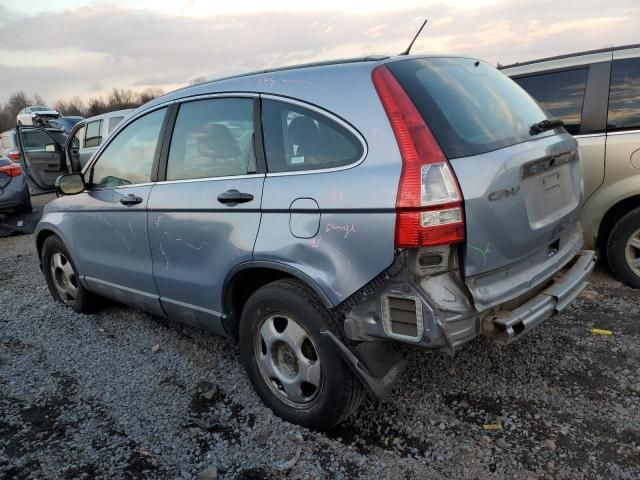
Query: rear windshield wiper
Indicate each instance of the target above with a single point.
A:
(545, 125)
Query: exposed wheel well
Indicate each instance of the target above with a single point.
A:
(610, 218)
(42, 236)
(240, 288)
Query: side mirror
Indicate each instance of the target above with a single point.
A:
(70, 184)
(52, 147)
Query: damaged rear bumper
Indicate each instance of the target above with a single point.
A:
(506, 326)
(439, 313)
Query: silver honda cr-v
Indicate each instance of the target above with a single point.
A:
(324, 215)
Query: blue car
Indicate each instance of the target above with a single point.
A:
(325, 216)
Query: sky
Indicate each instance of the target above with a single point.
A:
(65, 48)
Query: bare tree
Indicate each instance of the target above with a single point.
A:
(74, 106)
(38, 100)
(197, 80)
(148, 95)
(17, 101)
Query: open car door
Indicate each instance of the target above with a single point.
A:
(43, 158)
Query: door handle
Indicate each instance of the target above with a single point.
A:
(233, 197)
(130, 199)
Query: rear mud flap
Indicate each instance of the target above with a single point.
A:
(389, 361)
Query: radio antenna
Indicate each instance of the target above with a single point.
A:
(406, 52)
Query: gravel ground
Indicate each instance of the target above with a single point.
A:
(121, 394)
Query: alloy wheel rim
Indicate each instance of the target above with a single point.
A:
(288, 360)
(632, 252)
(63, 277)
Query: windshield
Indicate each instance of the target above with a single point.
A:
(39, 109)
(470, 106)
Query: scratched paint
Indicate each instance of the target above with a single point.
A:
(484, 252)
(122, 237)
(346, 228)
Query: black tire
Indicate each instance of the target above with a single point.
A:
(622, 231)
(339, 393)
(84, 301)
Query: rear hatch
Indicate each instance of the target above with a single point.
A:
(521, 191)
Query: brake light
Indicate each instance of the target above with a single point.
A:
(14, 156)
(429, 203)
(13, 170)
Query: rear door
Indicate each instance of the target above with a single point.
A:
(43, 158)
(521, 191)
(204, 214)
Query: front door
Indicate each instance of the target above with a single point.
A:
(203, 220)
(110, 220)
(42, 158)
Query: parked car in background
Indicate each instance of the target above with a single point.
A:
(9, 145)
(65, 124)
(14, 189)
(89, 134)
(597, 95)
(36, 115)
(318, 229)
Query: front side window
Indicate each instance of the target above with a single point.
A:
(624, 95)
(94, 137)
(298, 138)
(560, 93)
(212, 138)
(128, 159)
(34, 140)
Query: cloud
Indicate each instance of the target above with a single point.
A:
(107, 45)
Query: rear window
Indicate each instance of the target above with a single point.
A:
(113, 123)
(470, 106)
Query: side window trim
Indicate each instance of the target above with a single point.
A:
(161, 173)
(330, 116)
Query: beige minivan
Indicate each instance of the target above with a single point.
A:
(597, 95)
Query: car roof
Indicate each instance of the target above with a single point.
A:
(114, 113)
(239, 82)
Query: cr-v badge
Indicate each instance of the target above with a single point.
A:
(500, 194)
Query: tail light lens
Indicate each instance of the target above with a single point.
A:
(429, 203)
(13, 170)
(15, 156)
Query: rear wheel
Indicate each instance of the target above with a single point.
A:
(295, 370)
(62, 277)
(623, 249)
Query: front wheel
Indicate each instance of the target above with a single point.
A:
(295, 370)
(62, 277)
(623, 249)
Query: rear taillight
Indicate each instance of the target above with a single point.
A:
(429, 203)
(13, 170)
(14, 156)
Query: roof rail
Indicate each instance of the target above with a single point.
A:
(569, 55)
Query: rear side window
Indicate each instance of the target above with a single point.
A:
(113, 123)
(297, 138)
(560, 93)
(624, 94)
(470, 107)
(94, 136)
(212, 138)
